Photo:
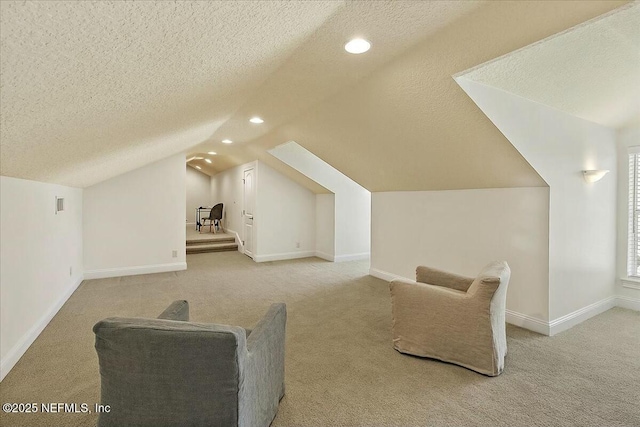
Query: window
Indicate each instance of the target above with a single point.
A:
(633, 260)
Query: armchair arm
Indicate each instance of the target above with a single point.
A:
(272, 325)
(263, 384)
(437, 277)
(178, 310)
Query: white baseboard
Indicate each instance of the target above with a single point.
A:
(325, 256)
(18, 350)
(131, 271)
(238, 239)
(515, 318)
(541, 326)
(572, 319)
(628, 302)
(527, 322)
(283, 256)
(384, 275)
(351, 257)
(342, 258)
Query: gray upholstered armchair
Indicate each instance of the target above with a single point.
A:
(453, 318)
(171, 372)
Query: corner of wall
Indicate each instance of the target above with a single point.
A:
(21, 347)
(131, 228)
(41, 262)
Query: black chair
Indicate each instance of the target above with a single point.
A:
(215, 217)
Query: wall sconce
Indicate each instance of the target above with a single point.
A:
(594, 175)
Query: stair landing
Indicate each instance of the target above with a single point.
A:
(209, 241)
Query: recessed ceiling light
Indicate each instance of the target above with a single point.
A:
(357, 46)
(257, 120)
(213, 153)
(198, 167)
(227, 141)
(207, 160)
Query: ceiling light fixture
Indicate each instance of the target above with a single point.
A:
(213, 153)
(257, 120)
(207, 160)
(227, 141)
(594, 175)
(357, 46)
(198, 167)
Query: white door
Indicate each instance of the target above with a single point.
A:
(247, 211)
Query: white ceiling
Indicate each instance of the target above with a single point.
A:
(591, 71)
(94, 89)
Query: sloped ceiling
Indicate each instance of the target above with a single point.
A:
(591, 71)
(94, 89)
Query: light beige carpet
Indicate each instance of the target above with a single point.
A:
(341, 369)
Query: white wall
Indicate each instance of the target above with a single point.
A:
(40, 260)
(227, 188)
(628, 137)
(325, 226)
(285, 217)
(352, 201)
(352, 223)
(284, 213)
(198, 192)
(463, 230)
(132, 223)
(582, 217)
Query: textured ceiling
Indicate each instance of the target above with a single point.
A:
(409, 126)
(93, 89)
(591, 71)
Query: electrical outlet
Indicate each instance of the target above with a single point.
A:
(174, 254)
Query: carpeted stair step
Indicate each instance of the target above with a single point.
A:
(212, 247)
(210, 241)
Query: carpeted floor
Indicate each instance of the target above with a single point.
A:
(341, 369)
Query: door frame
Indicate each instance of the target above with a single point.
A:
(251, 166)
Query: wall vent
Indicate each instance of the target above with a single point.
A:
(59, 204)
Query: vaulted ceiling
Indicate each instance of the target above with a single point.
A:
(591, 71)
(90, 90)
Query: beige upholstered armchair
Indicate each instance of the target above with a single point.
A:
(453, 318)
